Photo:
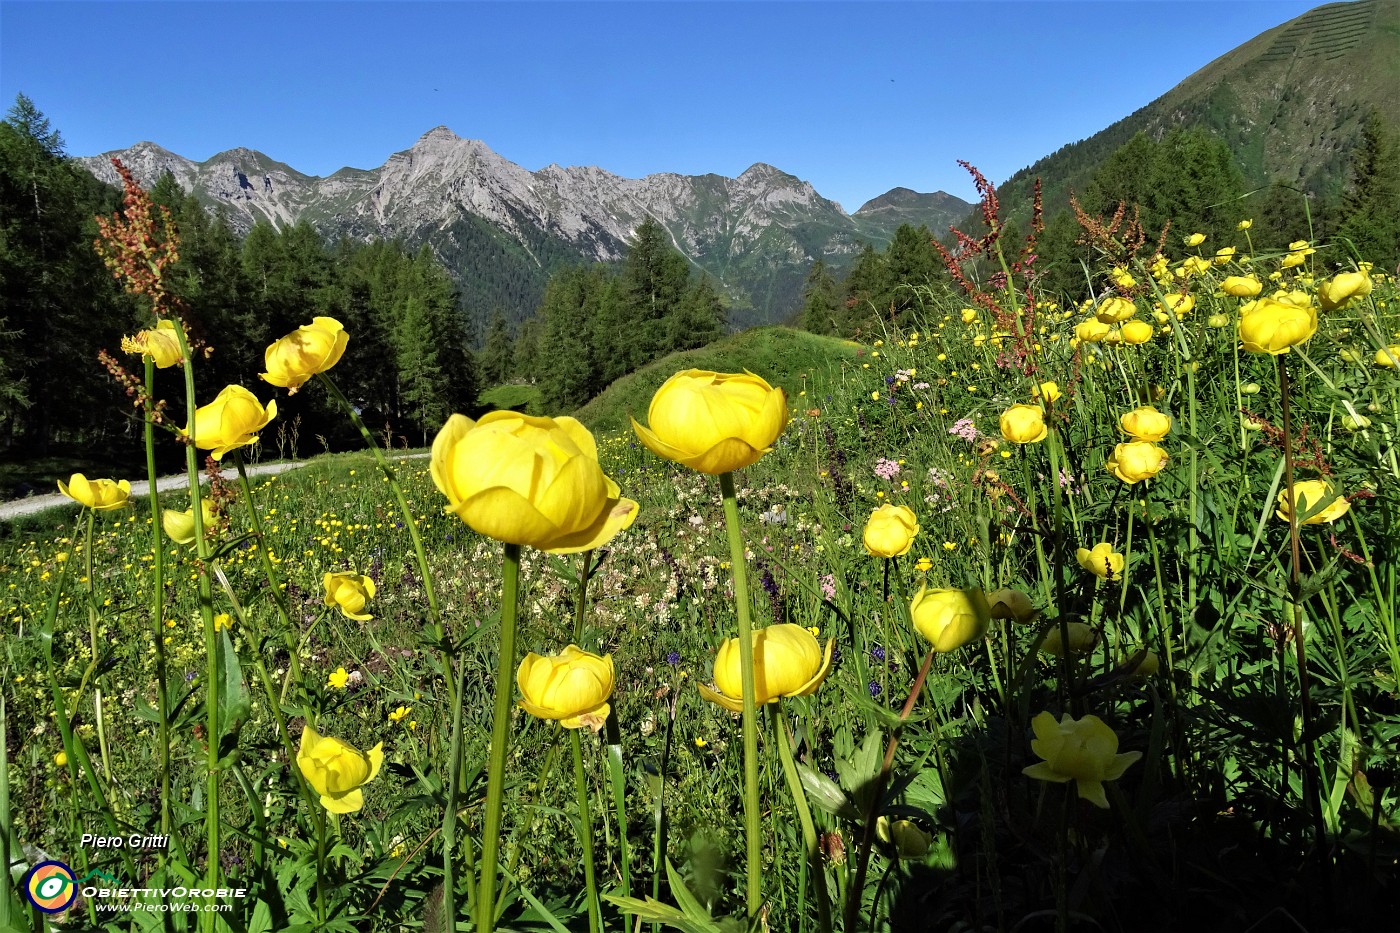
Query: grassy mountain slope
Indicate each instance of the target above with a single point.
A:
(1289, 102)
(786, 357)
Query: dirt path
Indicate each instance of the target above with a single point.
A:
(29, 506)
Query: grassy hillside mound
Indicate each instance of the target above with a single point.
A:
(785, 357)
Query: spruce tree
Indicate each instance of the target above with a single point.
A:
(697, 320)
(1370, 215)
(495, 359)
(820, 300)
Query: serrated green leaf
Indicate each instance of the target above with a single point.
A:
(826, 794)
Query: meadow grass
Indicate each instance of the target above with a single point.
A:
(1244, 801)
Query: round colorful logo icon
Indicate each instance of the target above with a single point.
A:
(51, 887)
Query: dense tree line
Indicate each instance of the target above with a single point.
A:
(408, 365)
(597, 323)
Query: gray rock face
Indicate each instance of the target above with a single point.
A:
(755, 234)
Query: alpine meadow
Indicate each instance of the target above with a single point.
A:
(555, 551)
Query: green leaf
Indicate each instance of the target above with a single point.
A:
(234, 701)
(826, 794)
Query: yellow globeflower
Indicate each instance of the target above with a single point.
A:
(1024, 424)
(1084, 751)
(1195, 239)
(1101, 561)
(949, 619)
(1136, 332)
(1307, 496)
(310, 349)
(232, 420)
(1092, 330)
(1241, 286)
(1244, 224)
(572, 687)
(1195, 265)
(179, 526)
(890, 531)
(1114, 310)
(1274, 326)
(1046, 392)
(528, 481)
(348, 592)
(788, 661)
(969, 315)
(1145, 423)
(1224, 255)
(1388, 356)
(1011, 604)
(160, 343)
(1179, 304)
(714, 422)
(1082, 639)
(100, 495)
(1136, 461)
(1297, 251)
(337, 770)
(1337, 291)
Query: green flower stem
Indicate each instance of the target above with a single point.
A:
(804, 816)
(618, 779)
(881, 782)
(754, 843)
(581, 606)
(211, 666)
(449, 817)
(289, 630)
(409, 522)
(500, 737)
(585, 833)
(1310, 776)
(158, 605)
(99, 721)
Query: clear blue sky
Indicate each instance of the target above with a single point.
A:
(856, 98)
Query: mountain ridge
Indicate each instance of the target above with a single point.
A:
(755, 234)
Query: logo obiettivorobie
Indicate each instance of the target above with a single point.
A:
(51, 887)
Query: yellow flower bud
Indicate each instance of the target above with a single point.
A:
(1024, 424)
(1011, 604)
(1114, 310)
(310, 349)
(1136, 332)
(788, 661)
(1145, 423)
(890, 531)
(529, 481)
(1241, 286)
(949, 619)
(714, 422)
(232, 420)
(179, 526)
(572, 687)
(1273, 326)
(1136, 461)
